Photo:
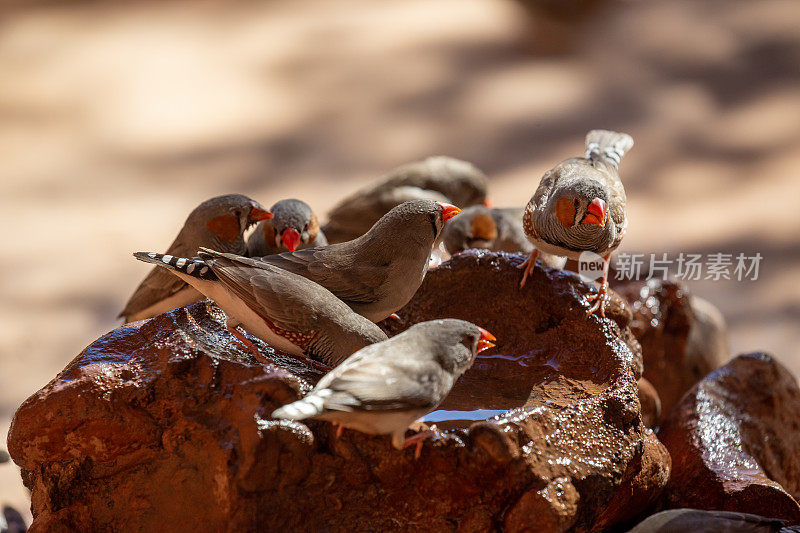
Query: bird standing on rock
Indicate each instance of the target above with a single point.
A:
(580, 206)
(383, 388)
(377, 273)
(289, 312)
(294, 226)
(442, 179)
(219, 223)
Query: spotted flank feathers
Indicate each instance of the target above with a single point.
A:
(608, 145)
(193, 267)
(311, 405)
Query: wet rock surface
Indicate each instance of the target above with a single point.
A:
(735, 441)
(683, 337)
(164, 425)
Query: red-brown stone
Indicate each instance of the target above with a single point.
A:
(164, 426)
(735, 441)
(683, 337)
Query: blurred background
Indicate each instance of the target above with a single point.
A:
(117, 119)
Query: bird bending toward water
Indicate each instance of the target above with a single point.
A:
(383, 388)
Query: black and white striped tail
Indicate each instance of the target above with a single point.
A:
(193, 267)
(608, 145)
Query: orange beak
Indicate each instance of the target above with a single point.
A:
(448, 211)
(487, 203)
(258, 213)
(596, 213)
(484, 343)
(290, 238)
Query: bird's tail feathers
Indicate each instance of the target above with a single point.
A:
(192, 267)
(608, 145)
(310, 406)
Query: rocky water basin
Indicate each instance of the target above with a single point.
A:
(165, 425)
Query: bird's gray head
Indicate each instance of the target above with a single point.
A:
(474, 228)
(220, 221)
(418, 220)
(455, 342)
(293, 223)
(462, 182)
(576, 214)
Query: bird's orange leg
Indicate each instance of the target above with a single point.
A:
(528, 265)
(417, 439)
(249, 346)
(600, 298)
(339, 430)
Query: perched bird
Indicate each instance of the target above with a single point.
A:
(219, 223)
(377, 273)
(383, 388)
(493, 229)
(697, 521)
(442, 179)
(580, 206)
(294, 226)
(289, 312)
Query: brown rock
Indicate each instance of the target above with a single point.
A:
(642, 485)
(552, 508)
(651, 403)
(165, 426)
(735, 441)
(683, 337)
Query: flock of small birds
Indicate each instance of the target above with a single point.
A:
(316, 292)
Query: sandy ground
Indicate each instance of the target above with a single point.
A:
(116, 120)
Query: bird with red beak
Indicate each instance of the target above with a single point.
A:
(219, 223)
(294, 226)
(383, 388)
(579, 206)
(378, 273)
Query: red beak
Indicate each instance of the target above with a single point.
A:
(487, 203)
(258, 213)
(448, 211)
(484, 343)
(290, 238)
(596, 213)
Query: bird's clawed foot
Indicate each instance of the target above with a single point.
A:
(417, 439)
(528, 265)
(599, 299)
(248, 346)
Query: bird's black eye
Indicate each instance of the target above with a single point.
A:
(432, 220)
(237, 213)
(576, 203)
